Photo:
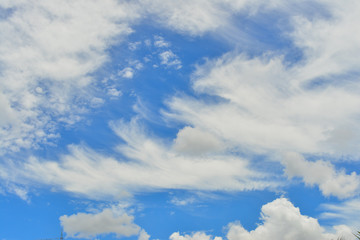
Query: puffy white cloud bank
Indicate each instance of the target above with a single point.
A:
(280, 220)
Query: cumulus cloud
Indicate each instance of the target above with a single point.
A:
(143, 235)
(88, 225)
(323, 174)
(96, 175)
(280, 220)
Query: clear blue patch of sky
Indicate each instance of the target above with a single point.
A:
(35, 220)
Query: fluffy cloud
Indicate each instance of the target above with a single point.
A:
(323, 174)
(48, 51)
(280, 220)
(169, 59)
(143, 235)
(146, 163)
(88, 225)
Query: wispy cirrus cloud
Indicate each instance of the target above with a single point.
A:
(146, 164)
(342, 213)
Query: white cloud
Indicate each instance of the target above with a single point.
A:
(114, 92)
(134, 45)
(168, 58)
(143, 235)
(196, 142)
(160, 42)
(88, 225)
(19, 191)
(193, 17)
(48, 51)
(147, 164)
(182, 202)
(127, 72)
(268, 105)
(202, 16)
(264, 107)
(329, 43)
(323, 174)
(281, 220)
(96, 102)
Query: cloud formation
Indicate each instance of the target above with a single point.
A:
(48, 51)
(323, 174)
(147, 164)
(280, 220)
(88, 225)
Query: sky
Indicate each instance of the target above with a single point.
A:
(179, 120)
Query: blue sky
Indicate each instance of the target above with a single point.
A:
(179, 120)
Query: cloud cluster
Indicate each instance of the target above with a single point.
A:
(280, 220)
(268, 104)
